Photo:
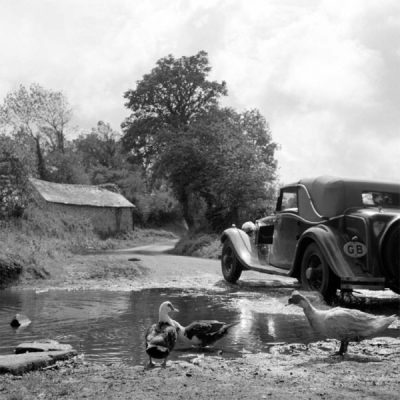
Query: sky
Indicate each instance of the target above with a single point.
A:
(324, 73)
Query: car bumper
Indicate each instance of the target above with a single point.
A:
(361, 282)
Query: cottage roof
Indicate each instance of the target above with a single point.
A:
(87, 195)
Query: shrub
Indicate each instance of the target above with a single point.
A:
(199, 245)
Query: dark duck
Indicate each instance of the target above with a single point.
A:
(203, 333)
(345, 325)
(161, 337)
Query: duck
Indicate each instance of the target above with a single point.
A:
(343, 324)
(203, 333)
(161, 337)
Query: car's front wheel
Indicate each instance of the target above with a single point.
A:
(316, 273)
(231, 267)
(391, 257)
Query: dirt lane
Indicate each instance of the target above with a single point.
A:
(146, 267)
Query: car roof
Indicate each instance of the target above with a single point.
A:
(333, 195)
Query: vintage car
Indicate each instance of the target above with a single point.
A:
(329, 233)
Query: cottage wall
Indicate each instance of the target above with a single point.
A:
(105, 220)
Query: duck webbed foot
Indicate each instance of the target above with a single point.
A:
(150, 364)
(343, 348)
(164, 363)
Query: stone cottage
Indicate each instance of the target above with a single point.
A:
(109, 211)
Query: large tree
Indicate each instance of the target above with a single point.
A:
(40, 114)
(171, 96)
(215, 159)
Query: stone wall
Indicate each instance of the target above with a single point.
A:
(105, 220)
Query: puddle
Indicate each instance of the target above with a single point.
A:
(110, 326)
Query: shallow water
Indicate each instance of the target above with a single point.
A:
(109, 326)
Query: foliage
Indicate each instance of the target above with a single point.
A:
(40, 114)
(174, 93)
(100, 147)
(176, 90)
(217, 162)
(199, 245)
(162, 208)
(18, 150)
(17, 164)
(37, 112)
(225, 158)
(66, 167)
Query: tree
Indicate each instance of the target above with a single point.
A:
(17, 156)
(101, 147)
(212, 158)
(39, 113)
(54, 115)
(244, 165)
(226, 159)
(66, 167)
(171, 96)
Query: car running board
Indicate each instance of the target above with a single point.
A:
(268, 269)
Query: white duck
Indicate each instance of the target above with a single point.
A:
(203, 333)
(161, 337)
(340, 323)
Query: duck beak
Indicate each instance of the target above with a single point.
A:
(175, 309)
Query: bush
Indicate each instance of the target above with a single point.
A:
(158, 208)
(199, 245)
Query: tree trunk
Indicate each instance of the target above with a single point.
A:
(40, 158)
(235, 215)
(60, 141)
(184, 200)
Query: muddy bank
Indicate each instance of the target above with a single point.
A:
(10, 271)
(370, 370)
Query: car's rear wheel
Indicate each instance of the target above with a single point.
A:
(316, 273)
(231, 267)
(391, 257)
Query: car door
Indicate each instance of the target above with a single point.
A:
(286, 229)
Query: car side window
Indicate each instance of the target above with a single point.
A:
(289, 201)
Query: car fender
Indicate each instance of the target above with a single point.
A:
(241, 243)
(328, 241)
(388, 227)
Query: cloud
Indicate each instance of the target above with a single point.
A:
(322, 72)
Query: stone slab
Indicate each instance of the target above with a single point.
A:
(43, 345)
(18, 364)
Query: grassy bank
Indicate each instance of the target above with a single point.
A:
(199, 245)
(34, 246)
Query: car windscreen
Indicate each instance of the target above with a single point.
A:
(381, 199)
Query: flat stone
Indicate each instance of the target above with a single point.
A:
(42, 345)
(18, 364)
